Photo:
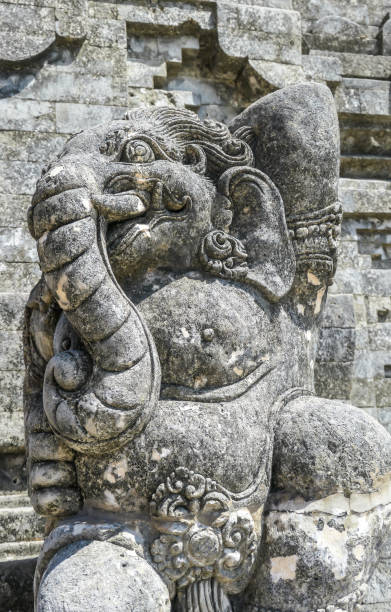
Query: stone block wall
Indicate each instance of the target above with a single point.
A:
(68, 64)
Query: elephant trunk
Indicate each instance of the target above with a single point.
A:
(118, 383)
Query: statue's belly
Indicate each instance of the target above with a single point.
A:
(227, 442)
(208, 333)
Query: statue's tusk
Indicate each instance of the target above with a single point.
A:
(120, 207)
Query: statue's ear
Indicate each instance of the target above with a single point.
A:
(259, 223)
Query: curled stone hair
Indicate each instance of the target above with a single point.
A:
(183, 130)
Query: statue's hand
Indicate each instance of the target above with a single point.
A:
(52, 476)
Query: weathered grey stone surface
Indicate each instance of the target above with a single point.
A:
(134, 585)
(58, 52)
(25, 31)
(174, 437)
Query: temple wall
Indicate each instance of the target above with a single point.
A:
(69, 64)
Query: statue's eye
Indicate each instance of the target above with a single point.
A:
(137, 151)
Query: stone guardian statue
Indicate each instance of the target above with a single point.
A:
(174, 439)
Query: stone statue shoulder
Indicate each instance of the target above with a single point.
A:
(208, 333)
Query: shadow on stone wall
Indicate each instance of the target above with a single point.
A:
(16, 585)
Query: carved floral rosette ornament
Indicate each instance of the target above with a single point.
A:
(223, 255)
(202, 536)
